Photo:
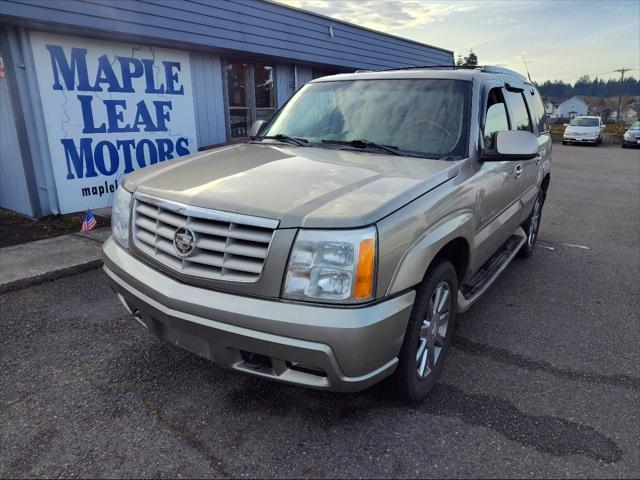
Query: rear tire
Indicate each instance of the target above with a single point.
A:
(532, 227)
(428, 334)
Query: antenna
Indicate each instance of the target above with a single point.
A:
(526, 68)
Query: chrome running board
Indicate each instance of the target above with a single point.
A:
(484, 277)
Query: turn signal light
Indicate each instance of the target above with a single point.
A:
(366, 266)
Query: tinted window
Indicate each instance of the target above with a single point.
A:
(519, 115)
(496, 119)
(537, 111)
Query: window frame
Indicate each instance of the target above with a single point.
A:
(533, 92)
(489, 87)
(519, 91)
(252, 93)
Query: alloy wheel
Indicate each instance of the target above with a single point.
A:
(433, 330)
(535, 223)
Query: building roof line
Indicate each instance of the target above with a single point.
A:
(359, 27)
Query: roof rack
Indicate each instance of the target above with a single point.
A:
(502, 70)
(421, 67)
(481, 68)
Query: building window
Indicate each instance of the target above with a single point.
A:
(251, 95)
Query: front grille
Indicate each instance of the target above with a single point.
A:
(226, 246)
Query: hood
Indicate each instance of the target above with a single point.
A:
(574, 129)
(300, 186)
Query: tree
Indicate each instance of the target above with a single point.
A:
(470, 60)
(596, 87)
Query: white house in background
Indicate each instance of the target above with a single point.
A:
(571, 107)
(550, 108)
(568, 108)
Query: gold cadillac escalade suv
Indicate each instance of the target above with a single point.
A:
(337, 246)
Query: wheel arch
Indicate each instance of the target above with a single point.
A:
(449, 240)
(457, 252)
(545, 183)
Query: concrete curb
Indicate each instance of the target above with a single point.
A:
(44, 260)
(50, 275)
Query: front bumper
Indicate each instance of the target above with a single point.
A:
(342, 349)
(581, 139)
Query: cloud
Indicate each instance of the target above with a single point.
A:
(384, 15)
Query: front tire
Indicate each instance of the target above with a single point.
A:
(428, 333)
(532, 227)
(564, 142)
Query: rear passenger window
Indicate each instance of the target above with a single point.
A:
(519, 114)
(537, 111)
(496, 119)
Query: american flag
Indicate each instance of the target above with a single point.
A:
(89, 222)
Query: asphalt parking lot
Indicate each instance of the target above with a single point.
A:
(543, 380)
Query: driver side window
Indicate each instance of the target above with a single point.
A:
(496, 119)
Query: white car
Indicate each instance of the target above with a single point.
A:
(583, 130)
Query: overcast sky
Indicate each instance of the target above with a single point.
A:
(560, 39)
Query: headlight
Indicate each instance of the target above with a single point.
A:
(332, 266)
(120, 213)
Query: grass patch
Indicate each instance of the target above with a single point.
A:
(88, 377)
(21, 398)
(127, 386)
(32, 320)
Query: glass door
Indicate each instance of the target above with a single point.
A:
(251, 95)
(263, 83)
(239, 99)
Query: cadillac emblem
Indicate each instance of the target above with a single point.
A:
(184, 241)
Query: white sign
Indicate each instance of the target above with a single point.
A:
(110, 108)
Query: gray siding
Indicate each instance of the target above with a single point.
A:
(304, 74)
(208, 98)
(251, 26)
(13, 187)
(284, 83)
(35, 168)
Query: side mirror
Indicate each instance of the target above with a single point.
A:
(255, 128)
(565, 124)
(512, 145)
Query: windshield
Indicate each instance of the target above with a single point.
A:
(425, 116)
(585, 122)
(635, 126)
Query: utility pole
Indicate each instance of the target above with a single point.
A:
(622, 72)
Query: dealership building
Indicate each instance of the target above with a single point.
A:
(93, 89)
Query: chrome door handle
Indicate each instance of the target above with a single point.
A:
(518, 171)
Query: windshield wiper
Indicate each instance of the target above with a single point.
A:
(359, 143)
(301, 142)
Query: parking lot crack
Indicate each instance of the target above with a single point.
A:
(504, 356)
(184, 435)
(547, 434)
